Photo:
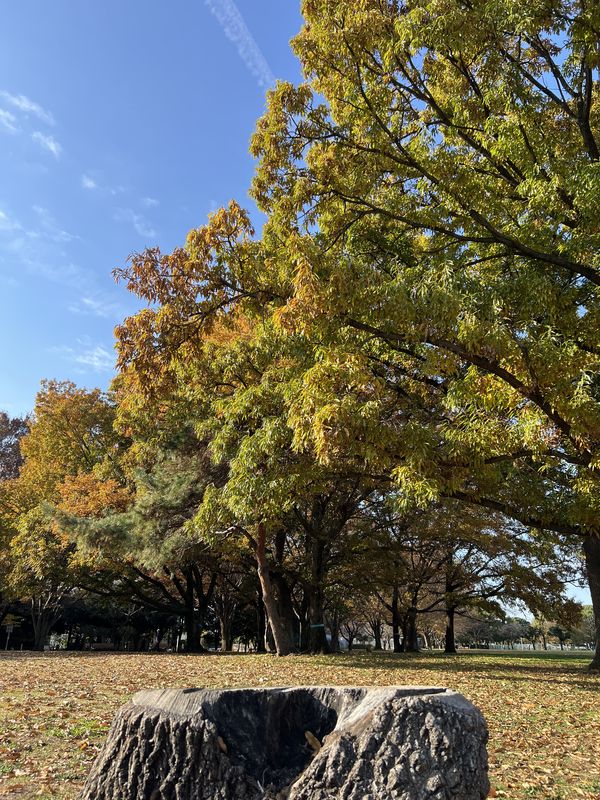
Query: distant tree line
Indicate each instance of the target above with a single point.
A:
(118, 538)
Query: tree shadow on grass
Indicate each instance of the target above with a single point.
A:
(543, 667)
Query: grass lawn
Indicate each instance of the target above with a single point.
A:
(543, 710)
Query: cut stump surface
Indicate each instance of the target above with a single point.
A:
(309, 743)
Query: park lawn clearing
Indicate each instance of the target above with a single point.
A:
(542, 709)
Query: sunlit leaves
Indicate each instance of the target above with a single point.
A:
(435, 180)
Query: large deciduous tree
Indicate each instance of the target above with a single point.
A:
(433, 186)
(209, 343)
(70, 435)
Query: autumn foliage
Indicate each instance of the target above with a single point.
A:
(383, 409)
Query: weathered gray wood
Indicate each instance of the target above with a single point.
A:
(312, 743)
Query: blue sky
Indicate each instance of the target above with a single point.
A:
(122, 125)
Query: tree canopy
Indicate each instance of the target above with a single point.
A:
(394, 386)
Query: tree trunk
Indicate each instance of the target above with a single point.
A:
(404, 628)
(285, 606)
(193, 632)
(591, 548)
(450, 642)
(334, 631)
(317, 640)
(412, 642)
(225, 605)
(261, 624)
(450, 602)
(41, 629)
(158, 637)
(269, 639)
(304, 636)
(376, 626)
(317, 637)
(226, 633)
(283, 642)
(396, 619)
(283, 593)
(42, 618)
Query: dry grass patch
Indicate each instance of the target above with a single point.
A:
(543, 710)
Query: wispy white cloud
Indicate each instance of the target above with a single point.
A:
(8, 121)
(149, 202)
(88, 183)
(50, 226)
(22, 108)
(97, 307)
(39, 249)
(91, 182)
(92, 358)
(8, 223)
(235, 29)
(48, 143)
(27, 106)
(66, 273)
(98, 358)
(139, 222)
(40, 258)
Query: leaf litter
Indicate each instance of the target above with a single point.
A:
(542, 710)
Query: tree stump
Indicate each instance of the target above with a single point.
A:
(311, 743)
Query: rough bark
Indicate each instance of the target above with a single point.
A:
(394, 743)
(283, 643)
(286, 607)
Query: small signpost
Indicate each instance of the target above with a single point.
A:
(10, 622)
